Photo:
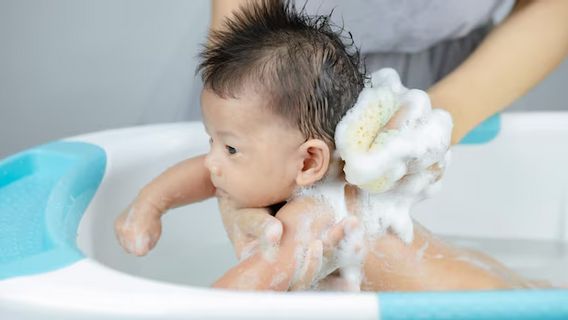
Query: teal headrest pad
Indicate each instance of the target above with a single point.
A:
(43, 194)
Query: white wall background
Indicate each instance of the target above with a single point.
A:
(77, 66)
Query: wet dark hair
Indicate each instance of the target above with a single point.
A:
(306, 67)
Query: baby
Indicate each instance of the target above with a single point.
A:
(277, 84)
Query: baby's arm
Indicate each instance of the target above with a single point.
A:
(138, 228)
(298, 256)
(186, 182)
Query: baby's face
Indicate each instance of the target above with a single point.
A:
(254, 156)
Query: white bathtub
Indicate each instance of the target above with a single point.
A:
(508, 197)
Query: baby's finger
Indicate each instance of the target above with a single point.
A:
(123, 244)
(129, 245)
(141, 245)
(126, 243)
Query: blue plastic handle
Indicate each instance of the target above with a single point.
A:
(528, 304)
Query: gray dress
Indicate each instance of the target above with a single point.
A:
(422, 39)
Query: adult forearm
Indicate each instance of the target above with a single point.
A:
(257, 273)
(222, 9)
(513, 58)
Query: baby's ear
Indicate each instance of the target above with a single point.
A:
(315, 161)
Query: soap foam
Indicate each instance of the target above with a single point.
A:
(395, 167)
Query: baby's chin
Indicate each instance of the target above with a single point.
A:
(250, 202)
(245, 200)
(238, 202)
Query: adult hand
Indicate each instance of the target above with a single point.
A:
(249, 229)
(253, 229)
(392, 138)
(343, 242)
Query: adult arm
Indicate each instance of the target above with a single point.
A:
(515, 56)
(223, 9)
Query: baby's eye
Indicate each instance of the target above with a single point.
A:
(231, 150)
(210, 140)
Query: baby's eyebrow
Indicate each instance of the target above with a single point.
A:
(227, 133)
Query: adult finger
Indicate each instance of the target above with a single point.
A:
(337, 233)
(312, 265)
(258, 224)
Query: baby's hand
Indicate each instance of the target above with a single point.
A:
(138, 228)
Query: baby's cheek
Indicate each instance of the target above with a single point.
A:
(245, 190)
(261, 195)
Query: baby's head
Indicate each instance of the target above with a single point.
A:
(276, 83)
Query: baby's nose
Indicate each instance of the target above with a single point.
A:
(212, 166)
(215, 171)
